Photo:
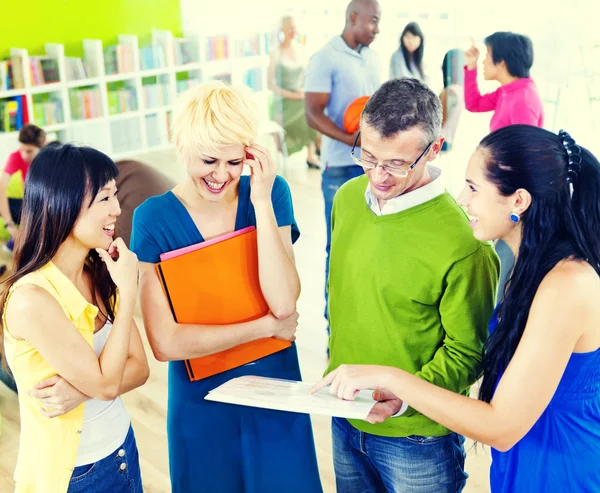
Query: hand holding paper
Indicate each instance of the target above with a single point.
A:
(347, 381)
(286, 395)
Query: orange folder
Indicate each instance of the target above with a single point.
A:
(216, 283)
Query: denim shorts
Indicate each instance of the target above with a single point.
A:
(118, 472)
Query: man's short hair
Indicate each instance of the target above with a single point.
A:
(515, 50)
(32, 135)
(401, 104)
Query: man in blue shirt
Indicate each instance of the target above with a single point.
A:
(343, 70)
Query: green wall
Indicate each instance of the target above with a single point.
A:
(31, 24)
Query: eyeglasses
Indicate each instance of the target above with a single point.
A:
(391, 169)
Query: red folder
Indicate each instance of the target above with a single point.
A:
(216, 283)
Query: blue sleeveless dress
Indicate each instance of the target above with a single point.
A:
(216, 447)
(561, 453)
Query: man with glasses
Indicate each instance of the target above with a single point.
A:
(343, 70)
(409, 287)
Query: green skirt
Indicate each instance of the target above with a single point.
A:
(293, 119)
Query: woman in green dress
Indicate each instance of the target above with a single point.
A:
(286, 79)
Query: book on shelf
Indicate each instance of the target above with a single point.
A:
(169, 122)
(49, 112)
(182, 51)
(155, 95)
(121, 100)
(13, 114)
(152, 57)
(85, 103)
(44, 70)
(248, 47)
(118, 59)
(185, 84)
(225, 78)
(253, 79)
(217, 48)
(6, 76)
(77, 69)
(17, 72)
(157, 132)
(125, 135)
(153, 130)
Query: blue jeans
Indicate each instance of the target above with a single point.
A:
(118, 472)
(333, 179)
(366, 463)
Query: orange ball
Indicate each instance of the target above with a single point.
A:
(352, 114)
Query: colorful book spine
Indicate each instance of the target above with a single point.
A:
(217, 48)
(253, 79)
(152, 57)
(13, 114)
(85, 103)
(118, 59)
(48, 113)
(121, 101)
(156, 95)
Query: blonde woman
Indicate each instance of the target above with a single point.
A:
(214, 446)
(286, 80)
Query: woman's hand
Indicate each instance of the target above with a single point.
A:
(472, 56)
(122, 266)
(285, 328)
(347, 380)
(57, 396)
(262, 176)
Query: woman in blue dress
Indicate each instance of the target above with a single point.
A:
(539, 401)
(215, 447)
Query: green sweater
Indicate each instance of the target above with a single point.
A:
(414, 290)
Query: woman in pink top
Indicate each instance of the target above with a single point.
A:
(508, 60)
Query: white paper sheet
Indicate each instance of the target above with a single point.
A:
(287, 395)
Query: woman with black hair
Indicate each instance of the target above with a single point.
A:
(68, 329)
(452, 95)
(508, 60)
(539, 401)
(407, 61)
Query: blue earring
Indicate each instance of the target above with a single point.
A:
(514, 217)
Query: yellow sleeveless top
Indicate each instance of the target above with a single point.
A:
(48, 446)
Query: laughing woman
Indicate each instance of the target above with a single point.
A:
(215, 446)
(539, 402)
(69, 334)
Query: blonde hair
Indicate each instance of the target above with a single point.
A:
(285, 19)
(213, 115)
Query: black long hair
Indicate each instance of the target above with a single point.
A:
(555, 227)
(417, 56)
(59, 183)
(452, 67)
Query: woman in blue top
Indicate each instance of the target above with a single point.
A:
(215, 447)
(539, 402)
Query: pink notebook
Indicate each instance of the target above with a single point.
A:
(198, 246)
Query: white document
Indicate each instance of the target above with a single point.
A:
(288, 395)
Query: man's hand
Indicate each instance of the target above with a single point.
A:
(57, 396)
(387, 406)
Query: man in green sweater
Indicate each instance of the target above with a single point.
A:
(409, 287)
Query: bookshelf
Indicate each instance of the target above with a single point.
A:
(119, 98)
